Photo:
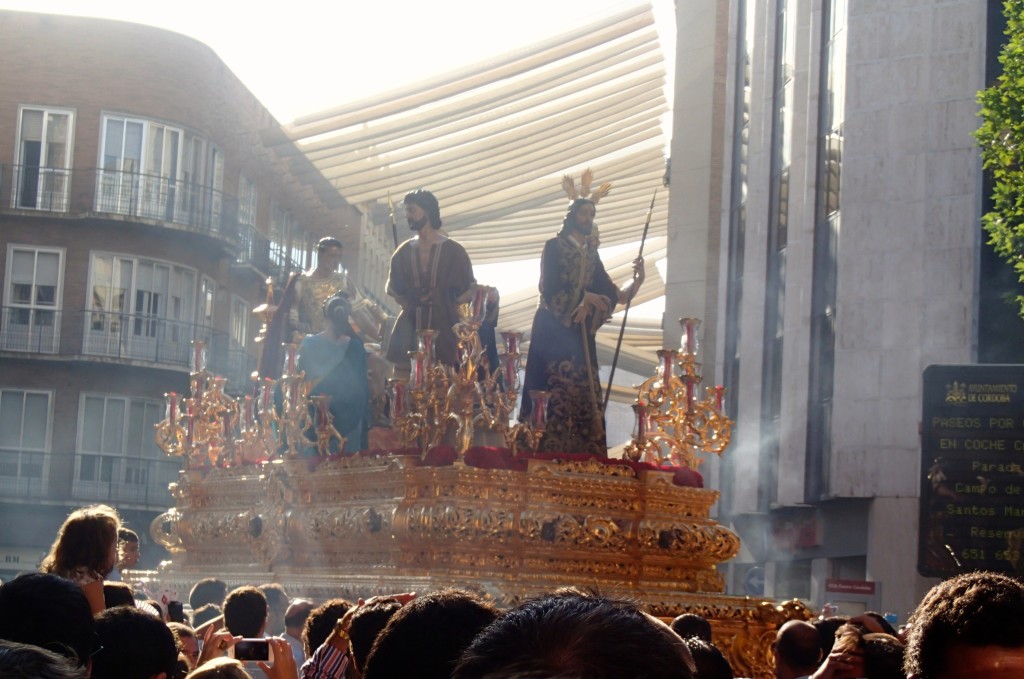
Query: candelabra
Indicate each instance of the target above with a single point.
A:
(674, 423)
(472, 395)
(202, 427)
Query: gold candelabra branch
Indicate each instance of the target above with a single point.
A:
(674, 422)
(472, 396)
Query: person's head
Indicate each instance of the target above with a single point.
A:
(277, 604)
(797, 649)
(87, 539)
(205, 614)
(576, 636)
(827, 631)
(24, 661)
(883, 656)
(48, 611)
(970, 626)
(320, 623)
(873, 623)
(426, 636)
(118, 594)
(328, 253)
(337, 310)
(186, 641)
(127, 548)
(421, 209)
(245, 612)
(710, 662)
(296, 615)
(207, 591)
(220, 668)
(691, 625)
(135, 646)
(367, 622)
(580, 217)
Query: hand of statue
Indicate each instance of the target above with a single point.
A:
(592, 303)
(639, 274)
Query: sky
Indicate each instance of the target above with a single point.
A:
(304, 56)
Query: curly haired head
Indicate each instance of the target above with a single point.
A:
(974, 610)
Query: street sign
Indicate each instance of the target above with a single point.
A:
(972, 470)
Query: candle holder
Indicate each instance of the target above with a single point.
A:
(531, 430)
(675, 424)
(475, 395)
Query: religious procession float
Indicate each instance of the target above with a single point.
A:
(268, 493)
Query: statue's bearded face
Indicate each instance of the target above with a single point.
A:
(584, 219)
(416, 216)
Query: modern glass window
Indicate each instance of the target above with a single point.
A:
(25, 425)
(42, 172)
(117, 454)
(140, 309)
(32, 299)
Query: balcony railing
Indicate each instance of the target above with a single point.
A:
(39, 188)
(188, 205)
(106, 478)
(131, 337)
(33, 330)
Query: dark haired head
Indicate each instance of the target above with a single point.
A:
(87, 539)
(135, 645)
(24, 661)
(297, 612)
(710, 662)
(798, 647)
(328, 242)
(48, 611)
(428, 202)
(827, 631)
(692, 625)
(117, 594)
(337, 310)
(205, 614)
(569, 221)
(277, 604)
(367, 622)
(575, 637)
(320, 623)
(245, 612)
(207, 591)
(971, 610)
(426, 636)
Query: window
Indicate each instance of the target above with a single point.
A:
(25, 422)
(246, 201)
(239, 322)
(150, 169)
(118, 457)
(43, 167)
(140, 309)
(32, 299)
(207, 295)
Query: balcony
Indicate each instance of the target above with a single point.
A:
(136, 338)
(171, 202)
(118, 480)
(23, 474)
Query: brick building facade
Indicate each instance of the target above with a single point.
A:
(139, 210)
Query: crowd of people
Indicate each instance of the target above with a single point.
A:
(71, 621)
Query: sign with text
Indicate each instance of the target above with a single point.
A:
(972, 470)
(836, 586)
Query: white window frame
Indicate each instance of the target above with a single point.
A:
(35, 339)
(127, 474)
(24, 484)
(163, 336)
(52, 183)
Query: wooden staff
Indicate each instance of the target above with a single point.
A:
(625, 314)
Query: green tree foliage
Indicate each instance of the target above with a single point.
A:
(1000, 137)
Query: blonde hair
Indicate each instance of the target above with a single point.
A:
(220, 668)
(87, 539)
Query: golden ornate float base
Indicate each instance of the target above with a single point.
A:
(359, 526)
